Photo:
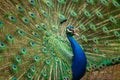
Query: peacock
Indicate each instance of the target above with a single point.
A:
(79, 60)
(59, 40)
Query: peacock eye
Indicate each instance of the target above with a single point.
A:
(115, 3)
(23, 51)
(1, 44)
(14, 67)
(48, 3)
(12, 17)
(29, 75)
(18, 58)
(36, 58)
(35, 33)
(61, 16)
(44, 13)
(14, 78)
(31, 1)
(38, 26)
(103, 65)
(95, 66)
(32, 14)
(32, 43)
(26, 20)
(119, 58)
(103, 1)
(21, 31)
(33, 68)
(10, 37)
(113, 60)
(19, 7)
(98, 14)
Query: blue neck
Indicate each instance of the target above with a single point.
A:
(74, 45)
(79, 60)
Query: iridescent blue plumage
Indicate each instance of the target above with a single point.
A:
(79, 60)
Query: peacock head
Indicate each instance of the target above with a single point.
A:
(70, 31)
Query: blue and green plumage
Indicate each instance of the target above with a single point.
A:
(34, 44)
(79, 59)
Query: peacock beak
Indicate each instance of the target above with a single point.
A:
(75, 32)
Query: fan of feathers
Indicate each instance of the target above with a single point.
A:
(34, 46)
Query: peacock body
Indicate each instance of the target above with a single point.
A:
(79, 60)
(34, 44)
